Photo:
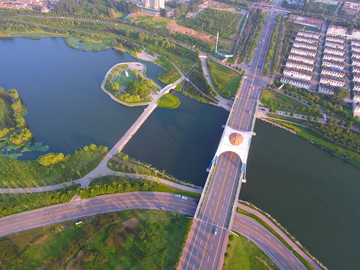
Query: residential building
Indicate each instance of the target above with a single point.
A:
(355, 49)
(306, 40)
(356, 87)
(328, 2)
(154, 4)
(356, 69)
(335, 45)
(351, 7)
(294, 82)
(308, 34)
(326, 89)
(356, 96)
(335, 30)
(333, 72)
(304, 52)
(355, 61)
(295, 73)
(308, 21)
(355, 55)
(305, 45)
(334, 51)
(302, 58)
(334, 64)
(299, 65)
(335, 39)
(355, 43)
(333, 57)
(332, 81)
(356, 109)
(355, 34)
(356, 77)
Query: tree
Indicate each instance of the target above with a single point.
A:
(116, 86)
(51, 159)
(339, 94)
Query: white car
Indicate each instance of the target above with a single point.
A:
(177, 195)
(184, 197)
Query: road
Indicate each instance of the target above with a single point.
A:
(204, 249)
(267, 242)
(78, 208)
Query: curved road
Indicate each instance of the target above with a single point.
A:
(79, 208)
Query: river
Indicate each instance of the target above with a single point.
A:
(315, 195)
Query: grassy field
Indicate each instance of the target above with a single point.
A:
(5, 113)
(23, 173)
(244, 254)
(136, 239)
(169, 101)
(38, 35)
(225, 80)
(123, 80)
(281, 102)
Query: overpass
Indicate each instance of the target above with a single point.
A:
(213, 220)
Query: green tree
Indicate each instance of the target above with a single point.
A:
(339, 94)
(51, 159)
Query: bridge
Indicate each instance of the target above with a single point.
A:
(213, 219)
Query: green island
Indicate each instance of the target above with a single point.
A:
(169, 101)
(243, 254)
(14, 133)
(127, 84)
(144, 239)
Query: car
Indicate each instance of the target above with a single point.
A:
(215, 231)
(177, 195)
(160, 207)
(184, 197)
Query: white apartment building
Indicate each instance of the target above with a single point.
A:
(333, 72)
(355, 34)
(355, 49)
(355, 61)
(335, 45)
(355, 55)
(356, 69)
(335, 39)
(306, 40)
(333, 57)
(356, 87)
(308, 34)
(356, 97)
(297, 83)
(334, 51)
(302, 58)
(304, 52)
(355, 43)
(305, 45)
(295, 73)
(356, 109)
(335, 30)
(356, 77)
(299, 65)
(326, 89)
(334, 64)
(332, 81)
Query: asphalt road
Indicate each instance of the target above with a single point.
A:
(77, 209)
(267, 242)
(204, 249)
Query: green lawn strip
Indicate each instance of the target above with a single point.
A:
(5, 113)
(91, 46)
(346, 154)
(267, 226)
(244, 254)
(225, 80)
(301, 259)
(279, 101)
(169, 101)
(144, 239)
(190, 91)
(295, 120)
(170, 75)
(37, 35)
(29, 173)
(120, 184)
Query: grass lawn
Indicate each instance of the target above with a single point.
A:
(38, 35)
(29, 173)
(169, 101)
(153, 21)
(90, 46)
(245, 255)
(123, 80)
(136, 239)
(281, 102)
(5, 113)
(225, 80)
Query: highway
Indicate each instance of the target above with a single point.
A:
(79, 208)
(204, 248)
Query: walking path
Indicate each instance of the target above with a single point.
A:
(295, 245)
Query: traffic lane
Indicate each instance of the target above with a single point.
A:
(267, 242)
(93, 206)
(199, 252)
(220, 195)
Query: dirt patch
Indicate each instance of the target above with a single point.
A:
(76, 264)
(146, 57)
(40, 240)
(264, 262)
(131, 223)
(174, 27)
